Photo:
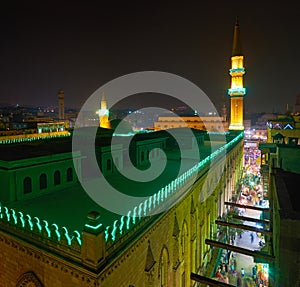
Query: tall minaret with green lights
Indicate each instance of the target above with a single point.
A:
(237, 90)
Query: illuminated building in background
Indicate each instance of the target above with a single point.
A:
(237, 90)
(61, 105)
(103, 114)
(285, 129)
(204, 123)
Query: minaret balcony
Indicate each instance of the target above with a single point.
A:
(237, 91)
(237, 72)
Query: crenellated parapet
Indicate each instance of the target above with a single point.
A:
(12, 139)
(41, 232)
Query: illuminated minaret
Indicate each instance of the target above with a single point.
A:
(61, 104)
(237, 90)
(103, 113)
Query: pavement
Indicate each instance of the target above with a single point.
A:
(244, 261)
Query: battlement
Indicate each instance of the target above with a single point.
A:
(41, 232)
(11, 139)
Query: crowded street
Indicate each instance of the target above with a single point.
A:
(239, 269)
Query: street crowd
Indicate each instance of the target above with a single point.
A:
(238, 269)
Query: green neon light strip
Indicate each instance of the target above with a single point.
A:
(93, 227)
(19, 140)
(15, 218)
(241, 91)
(237, 70)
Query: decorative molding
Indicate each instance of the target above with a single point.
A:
(49, 261)
(149, 259)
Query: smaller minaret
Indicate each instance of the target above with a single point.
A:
(61, 104)
(103, 114)
(224, 113)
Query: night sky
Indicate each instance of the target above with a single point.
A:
(78, 46)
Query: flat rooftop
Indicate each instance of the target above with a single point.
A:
(69, 206)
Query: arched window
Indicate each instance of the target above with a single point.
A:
(57, 177)
(29, 279)
(27, 185)
(185, 253)
(43, 181)
(69, 174)
(163, 268)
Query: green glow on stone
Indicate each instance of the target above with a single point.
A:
(14, 215)
(106, 233)
(38, 223)
(78, 236)
(7, 213)
(134, 215)
(93, 227)
(29, 221)
(66, 233)
(128, 219)
(47, 228)
(21, 218)
(113, 233)
(56, 230)
(122, 224)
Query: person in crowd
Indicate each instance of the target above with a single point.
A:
(254, 272)
(239, 281)
(243, 272)
(251, 237)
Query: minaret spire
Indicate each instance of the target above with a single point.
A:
(237, 46)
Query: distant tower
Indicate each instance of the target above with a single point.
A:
(103, 113)
(224, 113)
(61, 104)
(237, 90)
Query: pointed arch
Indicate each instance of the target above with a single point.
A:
(164, 267)
(29, 279)
(184, 236)
(185, 252)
